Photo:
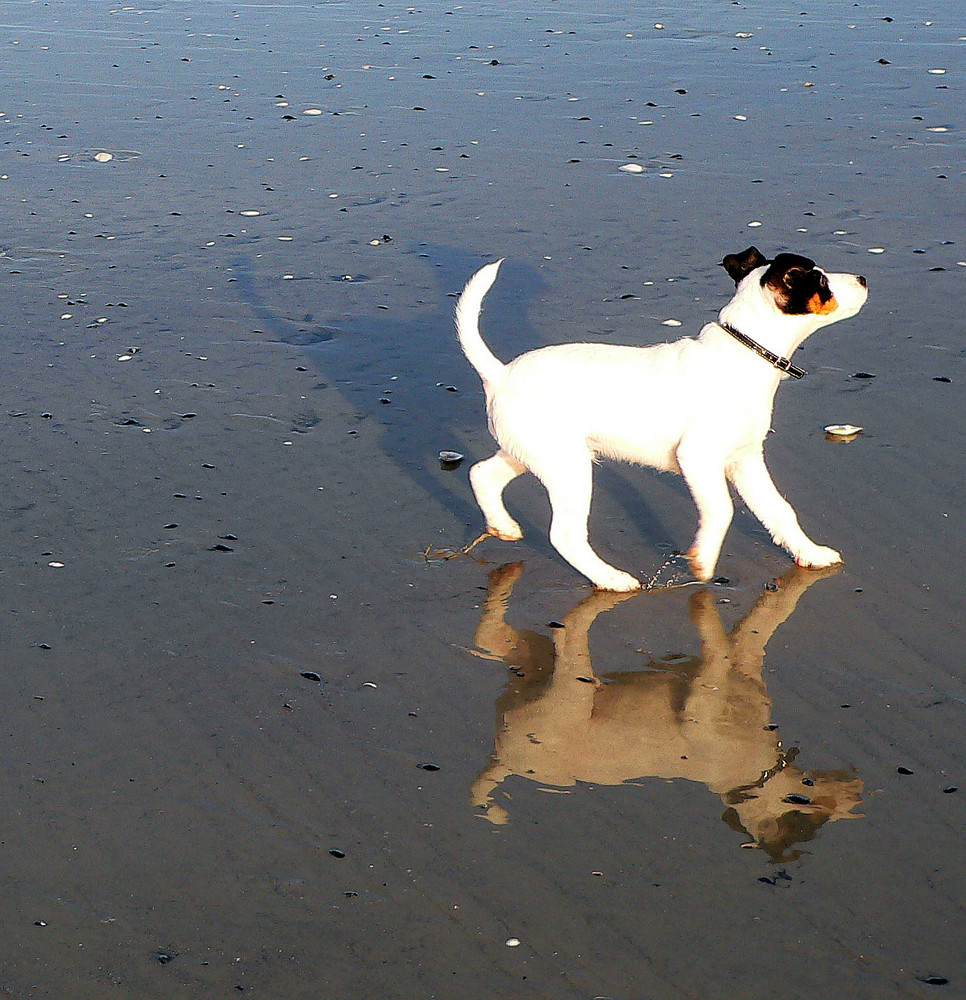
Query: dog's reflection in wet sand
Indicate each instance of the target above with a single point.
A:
(705, 718)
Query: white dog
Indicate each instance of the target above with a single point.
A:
(698, 407)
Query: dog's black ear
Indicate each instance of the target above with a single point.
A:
(740, 265)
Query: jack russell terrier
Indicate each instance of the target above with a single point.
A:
(698, 407)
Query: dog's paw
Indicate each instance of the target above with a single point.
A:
(510, 532)
(699, 567)
(622, 583)
(818, 557)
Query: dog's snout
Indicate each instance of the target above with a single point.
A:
(861, 279)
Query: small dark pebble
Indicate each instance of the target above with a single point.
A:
(771, 726)
(941, 378)
(845, 704)
(771, 586)
(229, 537)
(43, 645)
(808, 782)
(883, 62)
(862, 375)
(949, 789)
(164, 957)
(128, 422)
(207, 465)
(188, 416)
(220, 548)
(904, 770)
(721, 581)
(555, 624)
(173, 524)
(798, 800)
(40, 923)
(311, 675)
(336, 853)
(350, 893)
(586, 680)
(933, 980)
(47, 416)
(301, 368)
(428, 767)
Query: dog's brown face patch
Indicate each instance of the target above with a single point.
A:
(820, 307)
(798, 286)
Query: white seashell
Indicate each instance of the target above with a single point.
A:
(513, 942)
(56, 565)
(250, 212)
(937, 72)
(843, 430)
(671, 322)
(632, 168)
(126, 357)
(876, 249)
(103, 157)
(450, 456)
(312, 111)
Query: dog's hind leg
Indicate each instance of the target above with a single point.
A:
(489, 479)
(753, 482)
(567, 475)
(709, 487)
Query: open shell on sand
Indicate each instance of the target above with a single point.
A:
(842, 432)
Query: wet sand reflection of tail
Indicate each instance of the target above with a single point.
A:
(705, 718)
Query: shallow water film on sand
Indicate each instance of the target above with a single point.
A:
(267, 728)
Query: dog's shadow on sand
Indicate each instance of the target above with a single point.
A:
(421, 416)
(705, 718)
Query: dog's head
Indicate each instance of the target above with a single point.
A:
(794, 286)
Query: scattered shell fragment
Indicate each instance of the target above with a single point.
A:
(876, 249)
(513, 942)
(937, 72)
(103, 157)
(250, 212)
(56, 565)
(842, 432)
(671, 322)
(312, 111)
(632, 168)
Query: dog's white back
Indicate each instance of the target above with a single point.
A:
(700, 407)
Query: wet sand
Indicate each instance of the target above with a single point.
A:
(254, 741)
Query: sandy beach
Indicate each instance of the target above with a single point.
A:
(259, 736)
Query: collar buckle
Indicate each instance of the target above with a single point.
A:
(775, 360)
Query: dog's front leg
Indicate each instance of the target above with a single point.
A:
(753, 482)
(705, 477)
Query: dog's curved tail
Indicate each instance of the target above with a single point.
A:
(489, 367)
